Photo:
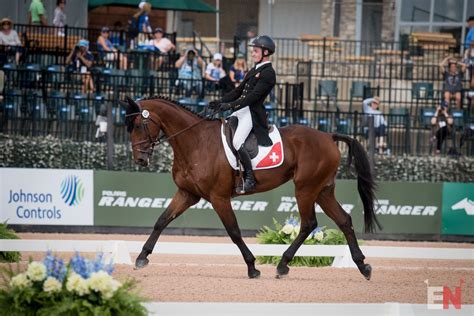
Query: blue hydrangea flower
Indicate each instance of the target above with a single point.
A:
(55, 267)
(316, 230)
(85, 267)
(292, 221)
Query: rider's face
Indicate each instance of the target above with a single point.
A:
(256, 54)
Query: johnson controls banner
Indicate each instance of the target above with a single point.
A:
(46, 196)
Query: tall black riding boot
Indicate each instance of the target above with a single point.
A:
(249, 182)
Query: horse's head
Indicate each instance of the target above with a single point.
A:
(144, 128)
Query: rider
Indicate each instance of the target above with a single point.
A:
(246, 102)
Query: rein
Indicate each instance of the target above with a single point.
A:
(160, 140)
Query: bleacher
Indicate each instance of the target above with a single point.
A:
(322, 82)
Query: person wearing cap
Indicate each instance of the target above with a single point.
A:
(80, 60)
(246, 103)
(190, 66)
(441, 124)
(9, 37)
(470, 33)
(452, 77)
(214, 71)
(163, 44)
(107, 50)
(238, 69)
(37, 13)
(371, 108)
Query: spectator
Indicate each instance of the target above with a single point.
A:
(2, 84)
(470, 34)
(80, 60)
(371, 108)
(9, 37)
(190, 66)
(59, 19)
(214, 71)
(238, 70)
(117, 36)
(163, 44)
(452, 77)
(251, 34)
(144, 26)
(37, 13)
(441, 124)
(107, 50)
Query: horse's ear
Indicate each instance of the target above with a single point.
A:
(132, 105)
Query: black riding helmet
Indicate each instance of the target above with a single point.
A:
(265, 43)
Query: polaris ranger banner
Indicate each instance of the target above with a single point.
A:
(137, 199)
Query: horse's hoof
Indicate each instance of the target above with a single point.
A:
(282, 272)
(254, 274)
(367, 271)
(141, 263)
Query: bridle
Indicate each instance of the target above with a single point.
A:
(146, 117)
(144, 123)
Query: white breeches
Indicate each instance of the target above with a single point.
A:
(244, 127)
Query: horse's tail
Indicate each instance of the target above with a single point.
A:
(365, 180)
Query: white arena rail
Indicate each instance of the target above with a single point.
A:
(120, 250)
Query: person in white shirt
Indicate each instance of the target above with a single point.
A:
(214, 71)
(163, 44)
(59, 19)
(371, 107)
(9, 37)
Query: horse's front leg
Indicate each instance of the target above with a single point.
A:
(224, 209)
(182, 200)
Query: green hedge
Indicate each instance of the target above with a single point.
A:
(50, 152)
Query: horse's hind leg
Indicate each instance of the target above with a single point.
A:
(305, 202)
(180, 203)
(331, 207)
(227, 216)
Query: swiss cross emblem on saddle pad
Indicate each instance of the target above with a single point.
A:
(262, 157)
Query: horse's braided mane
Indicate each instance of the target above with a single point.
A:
(174, 102)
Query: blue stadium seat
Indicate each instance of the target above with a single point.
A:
(283, 121)
(12, 103)
(57, 105)
(36, 107)
(343, 126)
(324, 124)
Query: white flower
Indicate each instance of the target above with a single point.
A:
(36, 271)
(103, 283)
(319, 235)
(20, 281)
(76, 283)
(295, 233)
(52, 285)
(287, 229)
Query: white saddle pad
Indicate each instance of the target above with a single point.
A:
(267, 157)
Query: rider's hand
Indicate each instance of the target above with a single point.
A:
(225, 106)
(214, 105)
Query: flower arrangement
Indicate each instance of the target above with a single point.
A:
(286, 233)
(82, 287)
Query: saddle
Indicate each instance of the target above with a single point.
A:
(251, 145)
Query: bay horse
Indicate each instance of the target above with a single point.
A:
(201, 170)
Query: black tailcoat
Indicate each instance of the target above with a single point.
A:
(252, 92)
